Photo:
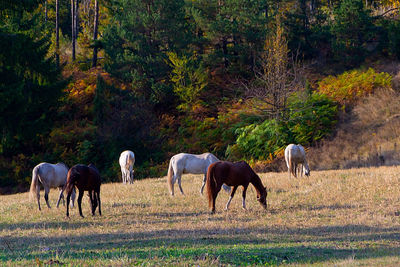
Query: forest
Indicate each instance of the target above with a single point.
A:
(83, 80)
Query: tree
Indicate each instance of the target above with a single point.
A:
(137, 41)
(95, 29)
(74, 26)
(233, 31)
(30, 90)
(351, 29)
(277, 77)
(189, 78)
(57, 33)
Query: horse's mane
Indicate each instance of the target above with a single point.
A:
(258, 185)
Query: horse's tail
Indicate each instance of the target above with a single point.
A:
(210, 184)
(35, 178)
(170, 176)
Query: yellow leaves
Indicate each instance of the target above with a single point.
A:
(351, 85)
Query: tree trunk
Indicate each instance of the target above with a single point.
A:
(96, 25)
(45, 11)
(57, 33)
(76, 13)
(73, 28)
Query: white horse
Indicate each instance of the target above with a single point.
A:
(296, 161)
(50, 176)
(189, 163)
(126, 161)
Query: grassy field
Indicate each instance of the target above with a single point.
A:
(346, 217)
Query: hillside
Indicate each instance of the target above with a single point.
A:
(368, 136)
(82, 81)
(344, 217)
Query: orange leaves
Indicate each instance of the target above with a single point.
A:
(351, 85)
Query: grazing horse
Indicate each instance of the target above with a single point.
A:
(85, 178)
(296, 161)
(233, 174)
(189, 163)
(50, 176)
(126, 161)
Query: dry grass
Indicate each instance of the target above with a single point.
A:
(370, 136)
(346, 217)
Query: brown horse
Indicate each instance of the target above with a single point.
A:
(233, 174)
(85, 178)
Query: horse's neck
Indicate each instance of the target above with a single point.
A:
(256, 182)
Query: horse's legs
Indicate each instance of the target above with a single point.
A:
(123, 175)
(244, 196)
(46, 195)
(204, 183)
(68, 199)
(230, 197)
(98, 200)
(179, 183)
(92, 203)
(80, 202)
(61, 195)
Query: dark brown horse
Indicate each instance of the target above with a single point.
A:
(233, 174)
(85, 178)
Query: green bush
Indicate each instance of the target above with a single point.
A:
(258, 141)
(310, 118)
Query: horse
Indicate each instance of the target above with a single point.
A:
(50, 176)
(233, 174)
(126, 161)
(189, 163)
(295, 157)
(85, 178)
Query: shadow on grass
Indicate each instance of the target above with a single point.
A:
(239, 246)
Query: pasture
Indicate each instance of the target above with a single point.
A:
(344, 217)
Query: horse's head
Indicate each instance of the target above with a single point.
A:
(262, 197)
(306, 171)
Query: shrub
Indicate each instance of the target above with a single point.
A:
(349, 86)
(259, 141)
(311, 119)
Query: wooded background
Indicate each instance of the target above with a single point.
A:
(83, 80)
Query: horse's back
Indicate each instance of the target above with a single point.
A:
(127, 158)
(84, 177)
(192, 163)
(54, 175)
(294, 152)
(232, 173)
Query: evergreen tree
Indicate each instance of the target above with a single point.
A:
(351, 29)
(235, 30)
(137, 41)
(30, 85)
